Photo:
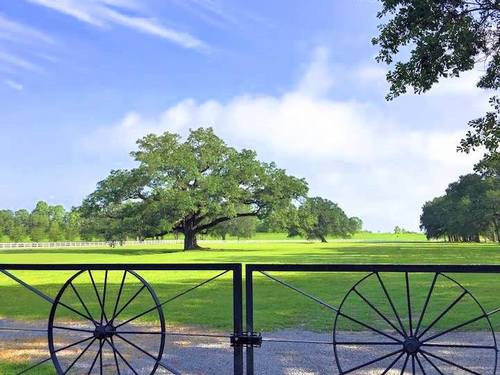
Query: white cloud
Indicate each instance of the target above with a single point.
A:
(14, 85)
(103, 13)
(356, 153)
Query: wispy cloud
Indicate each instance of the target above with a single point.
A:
(14, 85)
(104, 13)
(20, 33)
(14, 61)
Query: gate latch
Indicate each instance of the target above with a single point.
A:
(247, 339)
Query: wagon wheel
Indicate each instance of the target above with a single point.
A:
(407, 335)
(88, 330)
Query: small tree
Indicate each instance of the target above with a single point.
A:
(189, 187)
(318, 218)
(55, 232)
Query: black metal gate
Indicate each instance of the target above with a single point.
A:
(105, 324)
(406, 339)
(407, 334)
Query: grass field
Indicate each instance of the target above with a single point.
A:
(276, 307)
(210, 306)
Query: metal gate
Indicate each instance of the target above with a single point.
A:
(100, 321)
(404, 336)
(398, 314)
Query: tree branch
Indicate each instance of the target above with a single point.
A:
(225, 218)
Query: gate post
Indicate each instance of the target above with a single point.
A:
(238, 317)
(249, 314)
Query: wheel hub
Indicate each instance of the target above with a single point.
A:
(102, 332)
(411, 345)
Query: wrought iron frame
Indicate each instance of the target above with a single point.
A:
(247, 339)
(237, 304)
(410, 346)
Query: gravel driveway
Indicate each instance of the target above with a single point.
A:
(213, 355)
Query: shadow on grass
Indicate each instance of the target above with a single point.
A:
(99, 251)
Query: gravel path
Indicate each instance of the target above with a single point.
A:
(209, 355)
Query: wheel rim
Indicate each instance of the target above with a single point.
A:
(98, 336)
(406, 343)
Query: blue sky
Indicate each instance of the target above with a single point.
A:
(81, 80)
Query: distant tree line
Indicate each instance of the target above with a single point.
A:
(43, 223)
(316, 218)
(468, 211)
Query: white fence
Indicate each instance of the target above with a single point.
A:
(33, 245)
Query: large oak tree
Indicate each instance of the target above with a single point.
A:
(189, 187)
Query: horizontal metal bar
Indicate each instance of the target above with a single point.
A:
(290, 341)
(124, 267)
(450, 268)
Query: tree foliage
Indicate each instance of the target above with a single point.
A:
(318, 218)
(189, 187)
(444, 38)
(44, 223)
(240, 227)
(469, 209)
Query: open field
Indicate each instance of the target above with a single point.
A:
(288, 310)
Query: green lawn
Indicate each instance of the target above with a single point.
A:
(275, 306)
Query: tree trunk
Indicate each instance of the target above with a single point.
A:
(497, 229)
(190, 242)
(322, 238)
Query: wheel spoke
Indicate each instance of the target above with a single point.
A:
(95, 358)
(393, 363)
(172, 299)
(389, 299)
(116, 358)
(440, 316)
(73, 329)
(118, 297)
(103, 312)
(379, 313)
(122, 357)
(55, 351)
(369, 327)
(413, 364)
(432, 364)
(129, 302)
(404, 364)
(100, 361)
(408, 300)
(71, 345)
(461, 346)
(158, 359)
(79, 356)
(378, 359)
(420, 365)
(426, 303)
(77, 312)
(82, 303)
(473, 320)
(451, 363)
(97, 295)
